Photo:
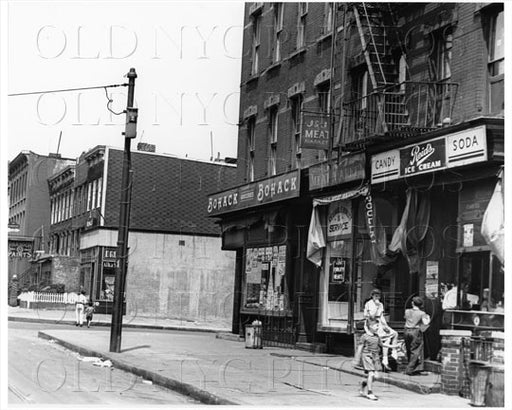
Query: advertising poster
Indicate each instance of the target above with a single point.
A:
(338, 270)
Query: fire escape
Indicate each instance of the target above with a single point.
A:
(394, 108)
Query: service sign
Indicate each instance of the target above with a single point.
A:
(421, 158)
(385, 166)
(339, 220)
(466, 147)
(273, 189)
(315, 131)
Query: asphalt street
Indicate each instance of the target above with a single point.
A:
(41, 372)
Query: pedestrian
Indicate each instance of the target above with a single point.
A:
(89, 311)
(374, 309)
(416, 322)
(368, 352)
(79, 308)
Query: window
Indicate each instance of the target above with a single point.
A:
(328, 15)
(94, 190)
(273, 127)
(496, 62)
(441, 56)
(89, 196)
(251, 146)
(301, 25)
(278, 31)
(360, 87)
(100, 191)
(297, 104)
(256, 34)
(402, 72)
(324, 97)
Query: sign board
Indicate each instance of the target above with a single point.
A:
(315, 131)
(468, 235)
(20, 249)
(385, 166)
(454, 150)
(270, 190)
(338, 269)
(422, 158)
(349, 168)
(339, 220)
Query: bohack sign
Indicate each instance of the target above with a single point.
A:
(273, 189)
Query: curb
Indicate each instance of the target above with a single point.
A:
(406, 385)
(204, 396)
(107, 324)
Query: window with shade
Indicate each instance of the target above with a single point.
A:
(496, 61)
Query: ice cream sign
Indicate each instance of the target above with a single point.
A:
(454, 150)
(421, 158)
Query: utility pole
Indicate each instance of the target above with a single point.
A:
(124, 219)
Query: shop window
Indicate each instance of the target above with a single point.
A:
(265, 286)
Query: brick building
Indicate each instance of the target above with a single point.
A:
(29, 212)
(379, 119)
(175, 265)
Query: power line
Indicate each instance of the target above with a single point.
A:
(68, 89)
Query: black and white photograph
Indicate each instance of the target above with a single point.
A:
(258, 204)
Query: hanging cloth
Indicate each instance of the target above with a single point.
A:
(316, 235)
(493, 222)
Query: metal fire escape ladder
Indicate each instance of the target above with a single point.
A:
(368, 57)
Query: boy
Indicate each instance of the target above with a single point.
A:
(89, 310)
(369, 352)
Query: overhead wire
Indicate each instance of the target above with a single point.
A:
(68, 89)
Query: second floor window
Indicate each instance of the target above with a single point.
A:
(251, 146)
(441, 54)
(297, 129)
(256, 33)
(278, 31)
(496, 62)
(328, 16)
(324, 97)
(301, 25)
(272, 129)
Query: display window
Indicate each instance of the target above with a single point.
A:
(264, 285)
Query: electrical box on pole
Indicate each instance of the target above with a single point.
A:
(131, 122)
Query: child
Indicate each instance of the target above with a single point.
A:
(369, 352)
(89, 310)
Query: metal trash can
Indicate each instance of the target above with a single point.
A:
(253, 335)
(479, 374)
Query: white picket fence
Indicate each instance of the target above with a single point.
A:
(64, 298)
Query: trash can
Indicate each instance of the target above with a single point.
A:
(479, 374)
(253, 335)
(495, 393)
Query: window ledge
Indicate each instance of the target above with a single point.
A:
(324, 37)
(273, 66)
(252, 77)
(297, 52)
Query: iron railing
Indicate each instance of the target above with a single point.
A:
(403, 109)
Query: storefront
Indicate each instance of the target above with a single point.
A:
(97, 275)
(264, 222)
(442, 187)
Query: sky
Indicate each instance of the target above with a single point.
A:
(187, 56)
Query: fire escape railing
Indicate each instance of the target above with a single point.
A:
(403, 109)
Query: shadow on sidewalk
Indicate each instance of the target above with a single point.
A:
(135, 348)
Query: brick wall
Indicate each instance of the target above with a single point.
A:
(453, 360)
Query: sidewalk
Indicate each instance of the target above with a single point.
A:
(217, 371)
(68, 317)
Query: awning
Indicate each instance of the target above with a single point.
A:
(493, 222)
(316, 234)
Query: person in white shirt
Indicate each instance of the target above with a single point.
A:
(374, 310)
(79, 308)
(450, 298)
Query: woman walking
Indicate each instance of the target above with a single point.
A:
(416, 322)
